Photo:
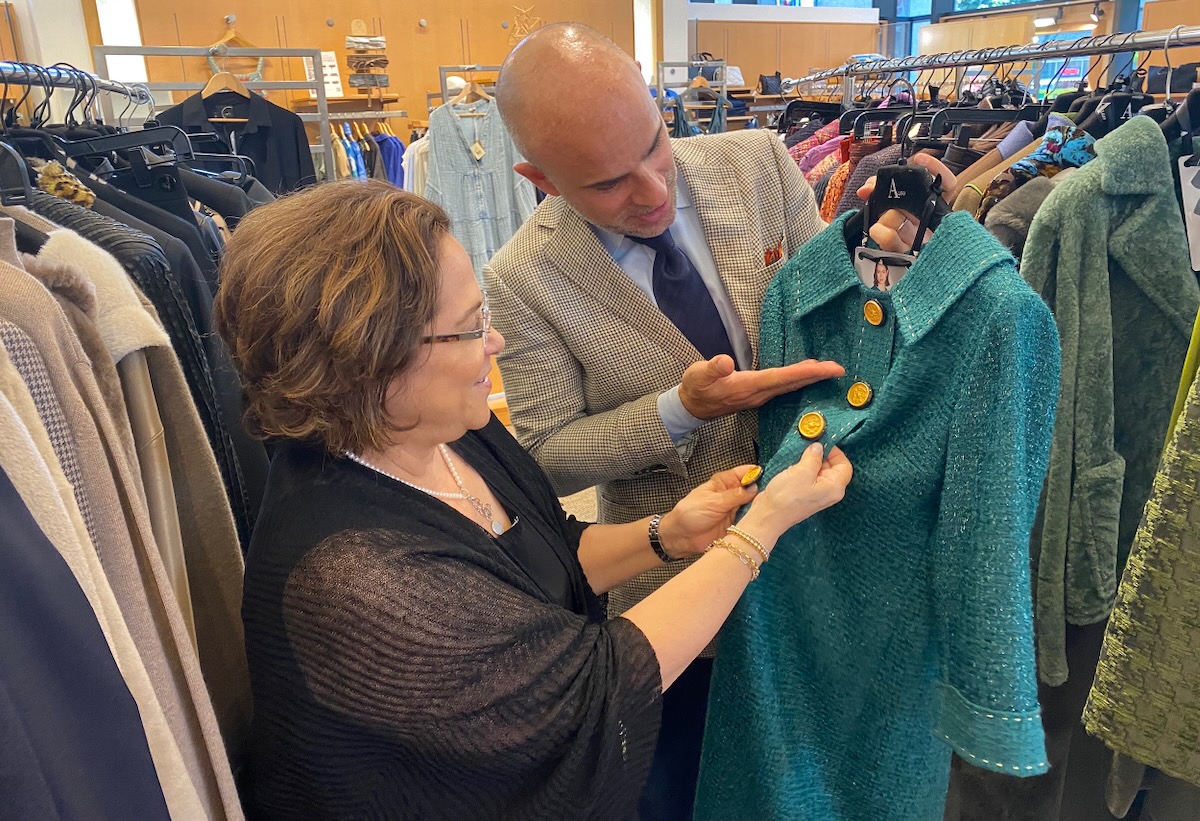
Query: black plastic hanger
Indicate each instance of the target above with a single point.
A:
(164, 135)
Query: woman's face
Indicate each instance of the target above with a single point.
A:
(446, 392)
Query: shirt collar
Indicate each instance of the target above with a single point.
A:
(960, 251)
(618, 245)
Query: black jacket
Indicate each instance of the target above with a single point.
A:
(272, 136)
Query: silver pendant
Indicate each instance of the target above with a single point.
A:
(497, 528)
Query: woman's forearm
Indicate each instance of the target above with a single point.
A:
(613, 554)
(680, 618)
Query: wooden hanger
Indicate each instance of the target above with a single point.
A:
(471, 89)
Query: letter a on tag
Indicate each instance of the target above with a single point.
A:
(1128, 112)
(893, 192)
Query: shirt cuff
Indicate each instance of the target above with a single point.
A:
(675, 418)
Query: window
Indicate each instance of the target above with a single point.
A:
(976, 5)
(913, 8)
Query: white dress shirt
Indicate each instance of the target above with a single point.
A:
(637, 261)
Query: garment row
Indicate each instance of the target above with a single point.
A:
(125, 483)
(995, 416)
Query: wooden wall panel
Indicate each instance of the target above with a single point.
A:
(845, 39)
(1165, 15)
(754, 48)
(456, 32)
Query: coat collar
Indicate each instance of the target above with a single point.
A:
(1134, 159)
(576, 251)
(194, 112)
(960, 251)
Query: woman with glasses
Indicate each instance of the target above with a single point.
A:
(424, 626)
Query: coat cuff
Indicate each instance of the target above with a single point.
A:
(997, 740)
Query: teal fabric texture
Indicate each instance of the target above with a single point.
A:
(897, 625)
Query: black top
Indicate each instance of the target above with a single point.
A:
(272, 136)
(405, 664)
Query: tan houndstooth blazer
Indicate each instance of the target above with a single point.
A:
(588, 353)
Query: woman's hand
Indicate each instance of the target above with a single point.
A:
(706, 513)
(896, 230)
(814, 483)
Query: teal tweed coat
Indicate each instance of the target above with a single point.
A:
(898, 624)
(1108, 252)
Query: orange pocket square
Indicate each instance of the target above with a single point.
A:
(773, 255)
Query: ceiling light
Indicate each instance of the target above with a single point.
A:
(1044, 22)
(1097, 13)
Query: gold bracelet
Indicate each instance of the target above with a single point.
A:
(750, 540)
(742, 556)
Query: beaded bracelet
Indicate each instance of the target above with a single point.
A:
(750, 540)
(742, 556)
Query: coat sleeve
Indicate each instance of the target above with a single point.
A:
(997, 453)
(509, 695)
(544, 388)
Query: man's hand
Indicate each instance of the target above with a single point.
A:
(712, 389)
(896, 231)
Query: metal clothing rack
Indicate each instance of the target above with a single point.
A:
(446, 71)
(32, 75)
(317, 84)
(1088, 46)
(721, 85)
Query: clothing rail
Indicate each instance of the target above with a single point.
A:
(1087, 46)
(360, 115)
(446, 71)
(32, 75)
(317, 84)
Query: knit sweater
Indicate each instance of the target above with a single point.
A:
(897, 624)
(406, 665)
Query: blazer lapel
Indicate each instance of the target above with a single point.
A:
(716, 196)
(578, 253)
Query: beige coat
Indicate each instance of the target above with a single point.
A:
(123, 535)
(28, 457)
(172, 443)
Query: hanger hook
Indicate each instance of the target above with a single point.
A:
(1167, 56)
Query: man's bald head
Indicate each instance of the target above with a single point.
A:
(580, 113)
(562, 77)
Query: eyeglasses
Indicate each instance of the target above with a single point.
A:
(485, 313)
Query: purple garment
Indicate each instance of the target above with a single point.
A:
(867, 167)
(815, 155)
(1016, 140)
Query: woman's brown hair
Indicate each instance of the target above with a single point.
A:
(325, 296)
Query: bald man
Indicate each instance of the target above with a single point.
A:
(630, 305)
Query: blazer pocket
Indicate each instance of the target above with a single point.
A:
(1092, 546)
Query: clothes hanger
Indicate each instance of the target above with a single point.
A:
(904, 186)
(1122, 102)
(1159, 112)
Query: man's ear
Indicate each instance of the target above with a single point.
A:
(530, 172)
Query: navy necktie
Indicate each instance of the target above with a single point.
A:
(684, 298)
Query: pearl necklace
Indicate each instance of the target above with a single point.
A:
(484, 509)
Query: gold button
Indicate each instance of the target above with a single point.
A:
(812, 425)
(860, 395)
(751, 476)
(873, 311)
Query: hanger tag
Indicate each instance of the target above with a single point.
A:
(881, 270)
(477, 150)
(1189, 184)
